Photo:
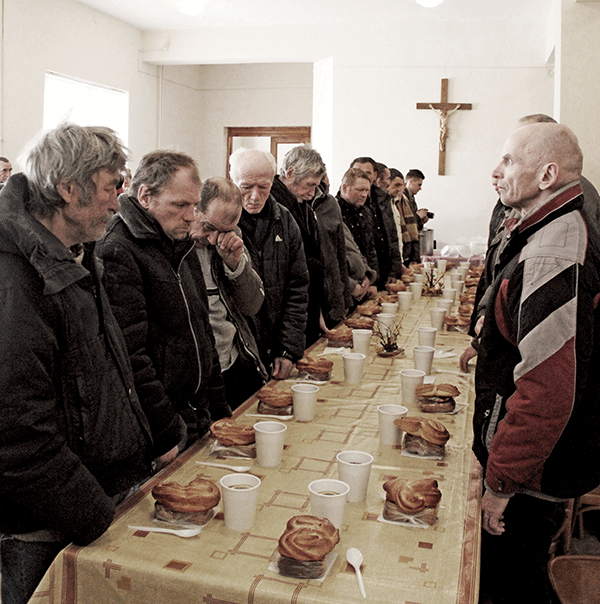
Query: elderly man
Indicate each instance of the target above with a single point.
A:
(275, 244)
(73, 437)
(385, 235)
(294, 188)
(235, 291)
(157, 291)
(537, 419)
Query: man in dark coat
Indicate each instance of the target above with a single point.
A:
(385, 235)
(274, 241)
(157, 291)
(294, 188)
(73, 437)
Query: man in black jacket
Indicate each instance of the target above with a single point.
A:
(301, 172)
(385, 234)
(73, 437)
(157, 291)
(275, 244)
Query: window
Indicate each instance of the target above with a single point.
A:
(67, 99)
(277, 140)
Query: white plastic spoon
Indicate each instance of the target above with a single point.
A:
(190, 532)
(224, 466)
(355, 558)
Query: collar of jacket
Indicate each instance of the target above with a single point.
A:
(142, 225)
(22, 234)
(555, 206)
(347, 207)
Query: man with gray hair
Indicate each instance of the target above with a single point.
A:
(299, 176)
(537, 418)
(235, 291)
(275, 244)
(73, 437)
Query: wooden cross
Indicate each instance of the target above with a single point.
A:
(444, 109)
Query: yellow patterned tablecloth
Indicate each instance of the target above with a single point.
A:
(437, 565)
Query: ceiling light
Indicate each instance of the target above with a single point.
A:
(429, 3)
(191, 7)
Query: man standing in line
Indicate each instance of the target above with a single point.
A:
(294, 188)
(385, 235)
(157, 291)
(235, 291)
(73, 437)
(537, 417)
(275, 244)
(5, 170)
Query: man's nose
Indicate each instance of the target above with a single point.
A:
(189, 214)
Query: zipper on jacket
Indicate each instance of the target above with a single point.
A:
(189, 315)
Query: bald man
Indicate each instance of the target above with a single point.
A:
(274, 241)
(537, 419)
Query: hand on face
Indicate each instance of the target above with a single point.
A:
(229, 246)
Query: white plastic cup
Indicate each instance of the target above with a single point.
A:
(389, 307)
(458, 285)
(446, 303)
(411, 379)
(423, 358)
(354, 366)
(240, 493)
(269, 443)
(405, 300)
(354, 468)
(437, 315)
(441, 266)
(416, 289)
(386, 318)
(426, 336)
(328, 499)
(420, 278)
(361, 339)
(389, 433)
(305, 401)
(449, 293)
(464, 264)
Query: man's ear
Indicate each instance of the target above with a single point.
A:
(549, 176)
(143, 196)
(68, 191)
(289, 175)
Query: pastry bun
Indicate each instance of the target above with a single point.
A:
(228, 433)
(303, 546)
(360, 323)
(316, 369)
(411, 501)
(273, 397)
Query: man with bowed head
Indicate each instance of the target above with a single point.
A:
(235, 291)
(74, 439)
(275, 244)
(537, 417)
(155, 284)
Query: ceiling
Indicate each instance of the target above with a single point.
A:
(165, 15)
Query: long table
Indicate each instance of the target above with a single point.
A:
(437, 565)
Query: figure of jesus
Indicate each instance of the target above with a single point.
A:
(444, 130)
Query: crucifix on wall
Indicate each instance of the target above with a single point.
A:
(444, 109)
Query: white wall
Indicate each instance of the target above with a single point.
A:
(249, 95)
(69, 38)
(366, 83)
